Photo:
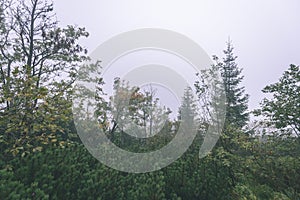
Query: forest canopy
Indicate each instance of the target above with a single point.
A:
(42, 156)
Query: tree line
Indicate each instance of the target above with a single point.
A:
(43, 158)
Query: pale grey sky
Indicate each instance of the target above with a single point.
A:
(266, 34)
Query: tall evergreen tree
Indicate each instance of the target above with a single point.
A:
(236, 99)
(224, 77)
(188, 111)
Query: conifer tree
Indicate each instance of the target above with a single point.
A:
(188, 111)
(236, 99)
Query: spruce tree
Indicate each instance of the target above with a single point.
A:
(236, 99)
(188, 111)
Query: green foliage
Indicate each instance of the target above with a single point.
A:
(236, 99)
(225, 76)
(38, 161)
(10, 188)
(243, 192)
(283, 109)
(38, 63)
(71, 173)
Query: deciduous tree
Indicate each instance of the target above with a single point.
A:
(283, 108)
(38, 64)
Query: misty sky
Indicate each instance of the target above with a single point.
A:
(265, 34)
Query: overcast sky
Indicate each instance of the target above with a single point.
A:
(265, 33)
